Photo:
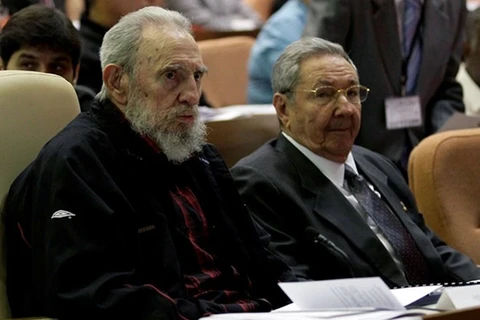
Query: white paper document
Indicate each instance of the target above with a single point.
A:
(311, 315)
(459, 297)
(342, 293)
(343, 299)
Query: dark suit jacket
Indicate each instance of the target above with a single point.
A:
(368, 30)
(90, 74)
(14, 6)
(287, 194)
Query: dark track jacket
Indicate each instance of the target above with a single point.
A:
(89, 230)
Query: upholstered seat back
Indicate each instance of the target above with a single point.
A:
(34, 106)
(237, 138)
(226, 81)
(444, 175)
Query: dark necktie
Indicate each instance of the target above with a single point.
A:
(412, 52)
(401, 240)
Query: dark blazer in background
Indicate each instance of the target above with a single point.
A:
(17, 5)
(287, 194)
(368, 30)
(90, 73)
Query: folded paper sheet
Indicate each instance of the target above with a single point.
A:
(342, 293)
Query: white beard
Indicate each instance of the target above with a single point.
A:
(177, 143)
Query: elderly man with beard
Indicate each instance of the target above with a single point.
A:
(127, 213)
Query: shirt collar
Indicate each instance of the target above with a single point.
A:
(334, 171)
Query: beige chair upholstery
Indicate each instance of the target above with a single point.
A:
(444, 175)
(226, 81)
(238, 138)
(34, 106)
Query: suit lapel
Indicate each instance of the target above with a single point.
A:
(384, 18)
(381, 184)
(380, 181)
(331, 205)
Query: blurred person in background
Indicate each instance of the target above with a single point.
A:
(408, 53)
(99, 17)
(3, 15)
(16, 5)
(280, 30)
(473, 4)
(72, 8)
(218, 15)
(469, 73)
(43, 39)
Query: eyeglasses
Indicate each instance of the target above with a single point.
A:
(326, 94)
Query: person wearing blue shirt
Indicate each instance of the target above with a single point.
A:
(282, 29)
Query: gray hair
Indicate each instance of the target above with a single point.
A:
(286, 70)
(121, 43)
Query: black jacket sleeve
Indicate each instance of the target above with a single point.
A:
(72, 215)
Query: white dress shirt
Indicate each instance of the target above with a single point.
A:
(335, 171)
(471, 92)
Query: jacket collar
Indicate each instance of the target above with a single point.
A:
(328, 202)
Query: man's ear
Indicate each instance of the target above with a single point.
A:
(280, 102)
(77, 70)
(116, 82)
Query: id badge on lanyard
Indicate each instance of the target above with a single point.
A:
(403, 112)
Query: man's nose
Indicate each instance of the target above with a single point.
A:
(344, 106)
(342, 98)
(190, 93)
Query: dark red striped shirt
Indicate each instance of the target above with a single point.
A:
(206, 277)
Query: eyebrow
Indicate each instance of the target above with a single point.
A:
(175, 66)
(203, 69)
(323, 82)
(326, 82)
(60, 58)
(27, 55)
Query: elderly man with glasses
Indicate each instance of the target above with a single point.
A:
(335, 210)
